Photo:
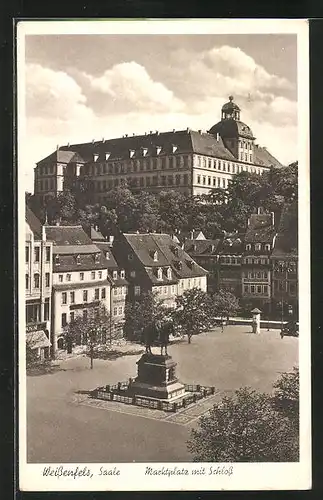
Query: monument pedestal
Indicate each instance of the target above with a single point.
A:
(157, 378)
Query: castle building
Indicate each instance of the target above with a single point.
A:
(80, 278)
(193, 162)
(38, 285)
(156, 263)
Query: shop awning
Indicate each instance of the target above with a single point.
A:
(37, 339)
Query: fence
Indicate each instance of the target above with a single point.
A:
(114, 393)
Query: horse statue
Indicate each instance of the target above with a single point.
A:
(157, 334)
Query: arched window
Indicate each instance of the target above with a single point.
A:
(160, 273)
(169, 273)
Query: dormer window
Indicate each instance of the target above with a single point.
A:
(97, 258)
(107, 255)
(78, 259)
(107, 156)
(130, 256)
(115, 275)
(95, 157)
(169, 273)
(144, 151)
(159, 273)
(248, 247)
(131, 153)
(175, 251)
(179, 264)
(212, 248)
(155, 256)
(122, 274)
(190, 264)
(257, 247)
(174, 148)
(57, 260)
(158, 149)
(267, 246)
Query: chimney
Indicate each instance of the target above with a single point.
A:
(200, 131)
(57, 147)
(103, 139)
(188, 130)
(151, 132)
(68, 144)
(174, 130)
(92, 141)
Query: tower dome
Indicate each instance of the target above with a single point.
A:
(230, 110)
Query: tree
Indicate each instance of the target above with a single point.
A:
(147, 310)
(67, 206)
(193, 312)
(92, 330)
(286, 395)
(244, 428)
(224, 303)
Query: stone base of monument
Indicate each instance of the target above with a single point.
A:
(157, 378)
(156, 387)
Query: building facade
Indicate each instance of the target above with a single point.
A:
(153, 262)
(256, 273)
(189, 161)
(285, 266)
(38, 285)
(117, 277)
(80, 278)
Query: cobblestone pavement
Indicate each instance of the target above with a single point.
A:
(184, 416)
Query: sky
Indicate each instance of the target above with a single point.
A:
(84, 87)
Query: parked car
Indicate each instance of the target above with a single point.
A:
(291, 329)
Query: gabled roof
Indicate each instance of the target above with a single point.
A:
(96, 235)
(186, 141)
(34, 223)
(286, 244)
(263, 157)
(63, 156)
(105, 248)
(169, 254)
(260, 229)
(69, 236)
(85, 263)
(202, 247)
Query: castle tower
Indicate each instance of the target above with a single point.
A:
(236, 135)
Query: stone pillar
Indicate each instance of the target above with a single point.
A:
(256, 320)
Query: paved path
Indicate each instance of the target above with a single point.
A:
(184, 416)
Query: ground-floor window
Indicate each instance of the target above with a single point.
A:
(32, 313)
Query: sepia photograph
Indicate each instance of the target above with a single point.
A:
(163, 181)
